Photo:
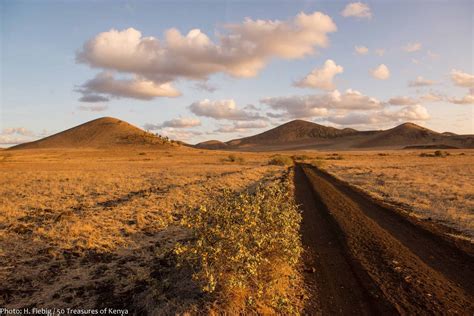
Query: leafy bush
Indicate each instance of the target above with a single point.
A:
(245, 249)
(280, 160)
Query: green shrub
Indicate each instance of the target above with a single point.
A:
(246, 248)
(280, 160)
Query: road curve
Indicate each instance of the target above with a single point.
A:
(365, 259)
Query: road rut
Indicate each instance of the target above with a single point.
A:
(365, 259)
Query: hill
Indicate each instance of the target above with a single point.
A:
(106, 132)
(212, 144)
(301, 134)
(294, 131)
(403, 135)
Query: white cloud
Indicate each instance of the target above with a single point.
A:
(174, 123)
(222, 110)
(242, 49)
(462, 79)
(415, 112)
(241, 126)
(93, 108)
(361, 50)
(321, 78)
(308, 106)
(467, 99)
(380, 72)
(380, 52)
(179, 134)
(412, 47)
(421, 82)
(17, 130)
(402, 101)
(408, 113)
(15, 135)
(432, 97)
(357, 9)
(137, 88)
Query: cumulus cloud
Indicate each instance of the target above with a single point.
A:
(17, 131)
(15, 135)
(380, 51)
(174, 123)
(321, 78)
(361, 50)
(421, 82)
(179, 134)
(241, 50)
(308, 106)
(93, 108)
(380, 72)
(241, 126)
(402, 101)
(412, 47)
(409, 113)
(137, 88)
(467, 99)
(357, 9)
(462, 79)
(222, 110)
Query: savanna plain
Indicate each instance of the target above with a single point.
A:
(181, 230)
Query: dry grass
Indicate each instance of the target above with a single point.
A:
(85, 228)
(438, 187)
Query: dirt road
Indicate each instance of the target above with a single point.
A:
(366, 259)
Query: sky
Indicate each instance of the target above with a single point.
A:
(201, 70)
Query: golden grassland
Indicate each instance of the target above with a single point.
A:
(98, 228)
(154, 229)
(429, 186)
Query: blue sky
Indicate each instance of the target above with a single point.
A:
(42, 81)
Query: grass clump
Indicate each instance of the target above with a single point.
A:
(280, 160)
(437, 153)
(300, 157)
(245, 251)
(235, 158)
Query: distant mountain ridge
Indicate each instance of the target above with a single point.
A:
(109, 133)
(300, 134)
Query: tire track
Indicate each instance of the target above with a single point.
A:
(363, 264)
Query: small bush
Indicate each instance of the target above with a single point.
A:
(437, 153)
(141, 154)
(245, 249)
(235, 158)
(280, 160)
